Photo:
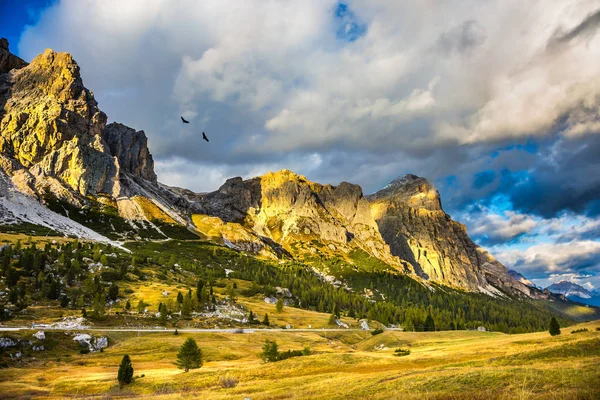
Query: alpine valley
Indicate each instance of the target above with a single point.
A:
(91, 238)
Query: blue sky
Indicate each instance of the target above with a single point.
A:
(496, 102)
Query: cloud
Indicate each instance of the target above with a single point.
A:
(587, 29)
(501, 228)
(462, 39)
(494, 101)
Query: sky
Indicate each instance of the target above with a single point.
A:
(496, 102)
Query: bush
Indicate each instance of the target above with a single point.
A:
(401, 352)
(271, 352)
(228, 382)
(580, 330)
(376, 331)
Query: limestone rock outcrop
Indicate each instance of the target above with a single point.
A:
(413, 223)
(131, 149)
(286, 207)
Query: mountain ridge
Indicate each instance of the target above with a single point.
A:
(56, 146)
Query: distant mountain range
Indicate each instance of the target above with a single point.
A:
(576, 292)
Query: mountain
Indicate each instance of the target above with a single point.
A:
(297, 215)
(411, 220)
(518, 277)
(575, 292)
(57, 150)
(56, 147)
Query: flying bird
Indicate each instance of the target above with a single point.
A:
(204, 136)
(184, 121)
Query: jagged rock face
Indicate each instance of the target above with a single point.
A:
(286, 207)
(51, 128)
(8, 60)
(411, 220)
(131, 149)
(54, 139)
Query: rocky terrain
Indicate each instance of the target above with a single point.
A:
(56, 148)
(411, 220)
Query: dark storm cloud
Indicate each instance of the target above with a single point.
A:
(584, 29)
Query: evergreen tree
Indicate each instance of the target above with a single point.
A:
(186, 306)
(279, 305)
(429, 324)
(270, 351)
(141, 307)
(179, 298)
(231, 294)
(189, 356)
(265, 320)
(125, 374)
(554, 328)
(113, 292)
(127, 305)
(199, 290)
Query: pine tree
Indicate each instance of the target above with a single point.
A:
(189, 356)
(265, 320)
(199, 290)
(429, 324)
(127, 305)
(270, 351)
(113, 292)
(186, 306)
(554, 328)
(179, 298)
(279, 305)
(125, 374)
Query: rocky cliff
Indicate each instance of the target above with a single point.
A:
(293, 212)
(411, 220)
(54, 141)
(8, 60)
(56, 147)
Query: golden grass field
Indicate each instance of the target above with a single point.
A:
(344, 365)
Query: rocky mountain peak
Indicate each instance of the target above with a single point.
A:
(412, 190)
(131, 149)
(8, 60)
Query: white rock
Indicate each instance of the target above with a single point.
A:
(101, 342)
(364, 325)
(6, 342)
(341, 324)
(40, 335)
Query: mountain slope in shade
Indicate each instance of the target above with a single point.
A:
(518, 277)
(412, 221)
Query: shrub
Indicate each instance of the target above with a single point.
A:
(401, 352)
(228, 382)
(376, 331)
(580, 330)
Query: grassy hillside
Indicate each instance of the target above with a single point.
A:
(348, 365)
